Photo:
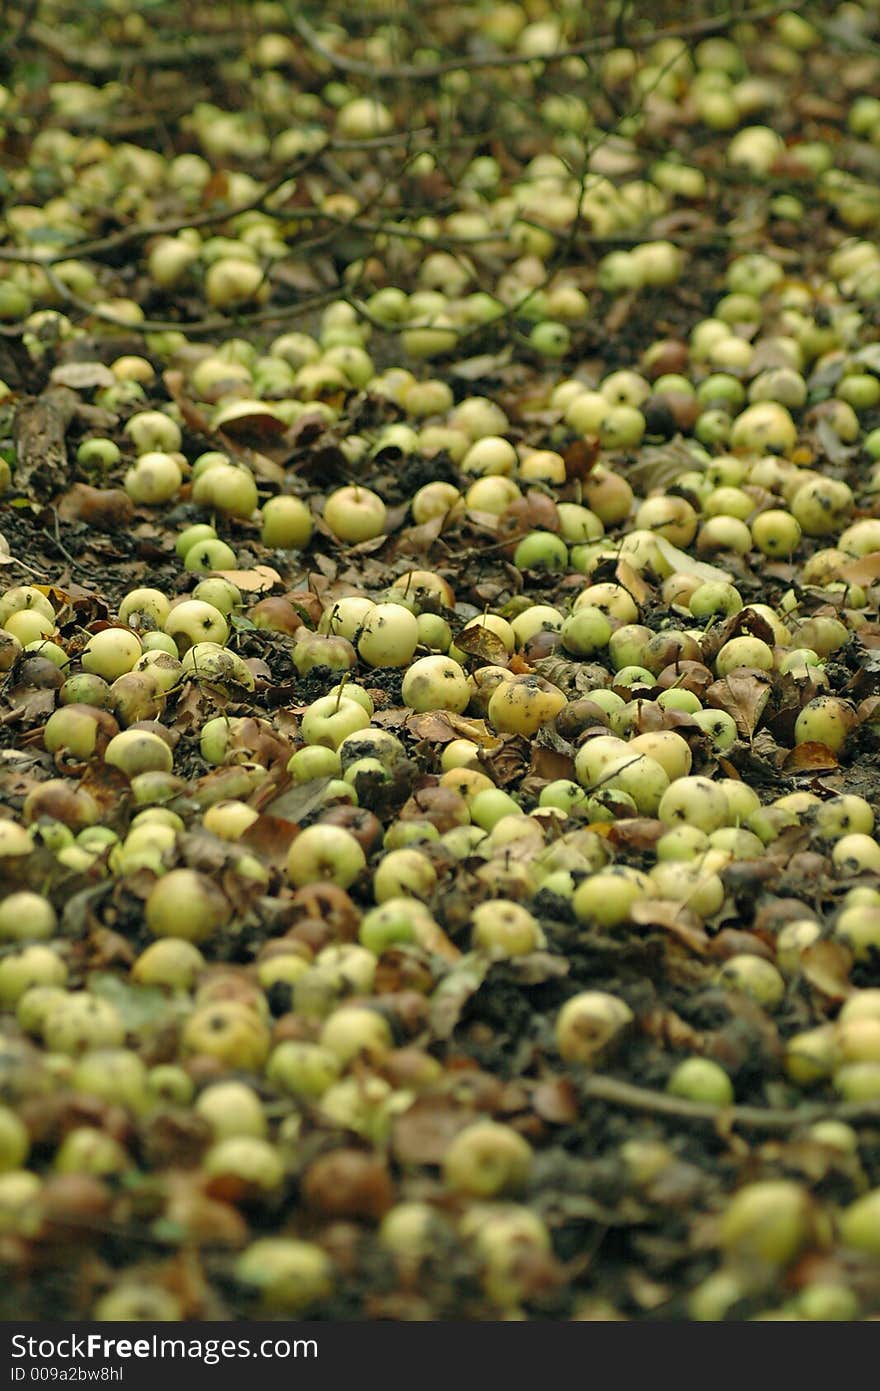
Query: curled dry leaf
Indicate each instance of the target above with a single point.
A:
(247, 420)
(549, 764)
(483, 368)
(555, 1100)
(676, 919)
(192, 415)
(454, 991)
(684, 564)
(537, 967)
(827, 965)
(632, 582)
(580, 457)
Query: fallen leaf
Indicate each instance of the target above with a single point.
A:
(105, 509)
(270, 837)
(674, 918)
(555, 1100)
(442, 726)
(300, 801)
(632, 582)
(193, 416)
(477, 641)
(239, 418)
(580, 457)
(640, 833)
(658, 466)
(548, 764)
(505, 761)
(82, 376)
(830, 444)
(264, 468)
(418, 540)
(255, 581)
(487, 365)
(684, 564)
(826, 965)
(424, 1132)
(743, 695)
(454, 991)
(863, 572)
(810, 757)
(537, 967)
(142, 1007)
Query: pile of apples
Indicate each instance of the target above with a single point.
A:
(283, 821)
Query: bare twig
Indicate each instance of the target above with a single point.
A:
(97, 246)
(633, 1098)
(701, 28)
(189, 51)
(16, 35)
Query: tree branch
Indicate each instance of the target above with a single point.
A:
(701, 28)
(633, 1098)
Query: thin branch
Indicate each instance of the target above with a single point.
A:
(16, 36)
(633, 1098)
(97, 246)
(219, 323)
(700, 28)
(189, 50)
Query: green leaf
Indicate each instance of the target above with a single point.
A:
(142, 1007)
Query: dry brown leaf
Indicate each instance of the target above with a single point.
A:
(505, 761)
(869, 636)
(640, 833)
(418, 540)
(826, 965)
(82, 376)
(270, 837)
(864, 571)
(442, 726)
(554, 1099)
(537, 967)
(426, 1129)
(105, 509)
(549, 764)
(743, 695)
(264, 468)
(454, 991)
(193, 416)
(580, 457)
(255, 581)
(810, 757)
(248, 419)
(632, 582)
(300, 801)
(431, 938)
(477, 641)
(674, 918)
(685, 564)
